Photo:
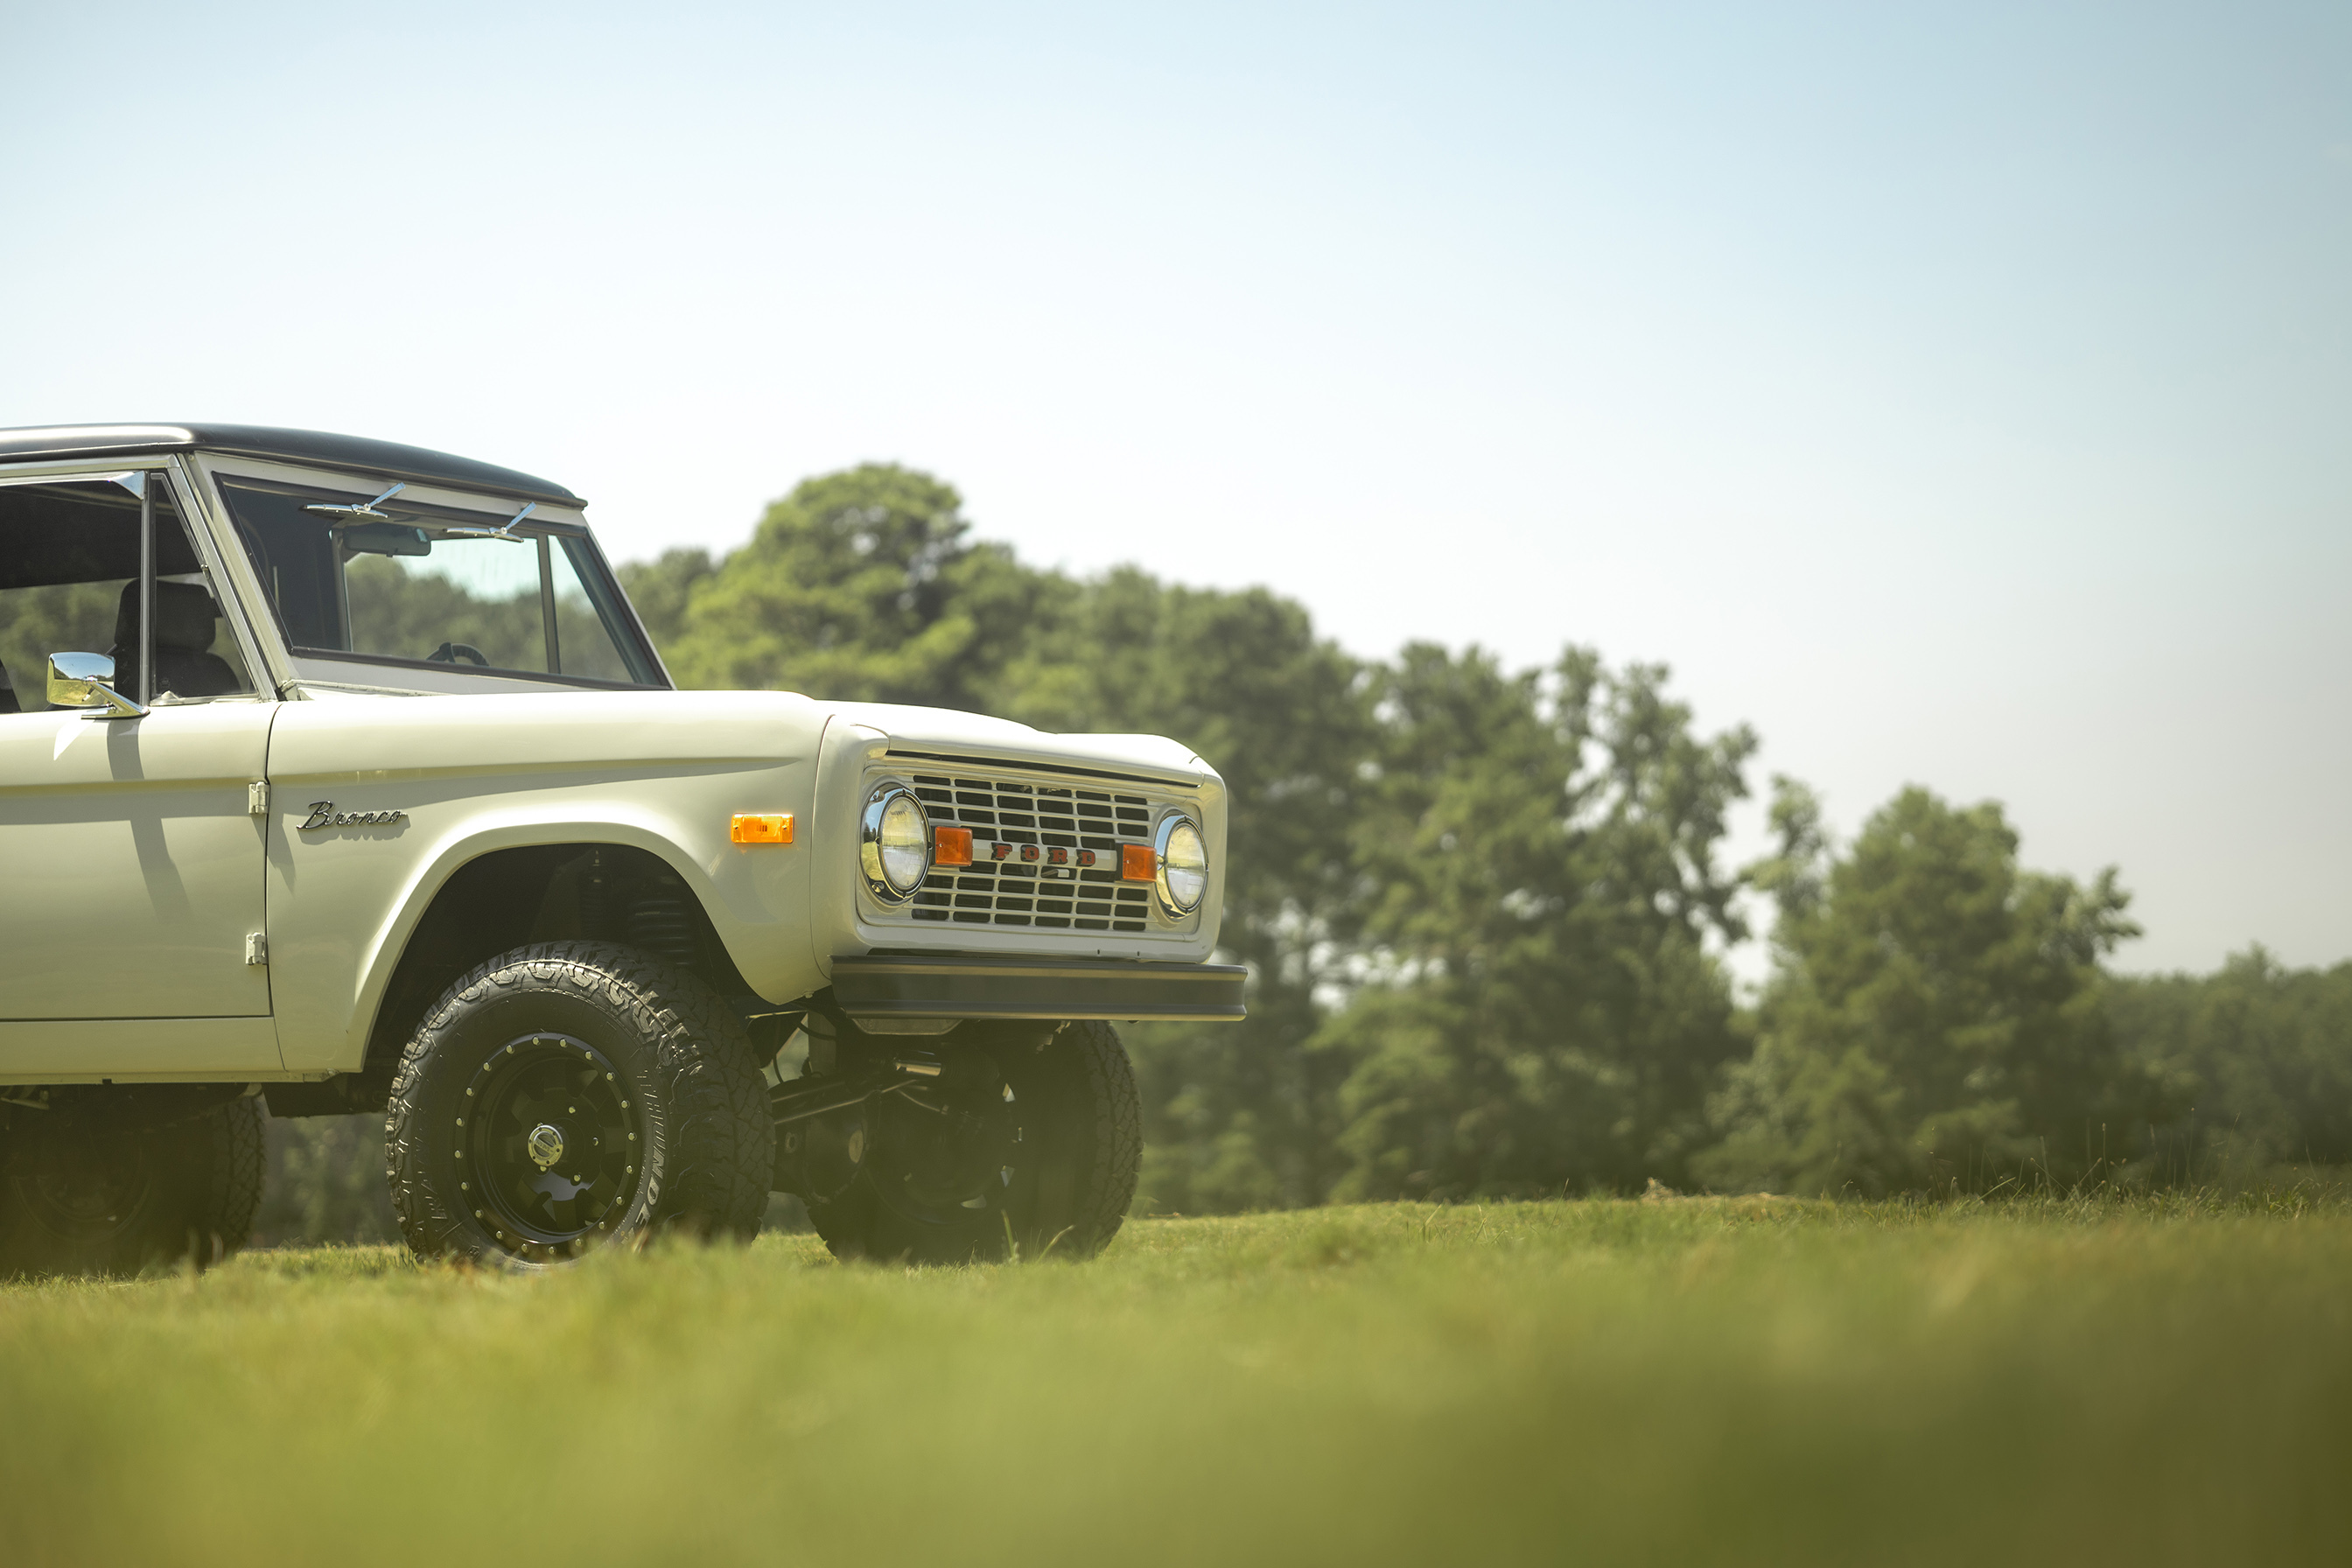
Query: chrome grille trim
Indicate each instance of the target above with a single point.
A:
(1071, 813)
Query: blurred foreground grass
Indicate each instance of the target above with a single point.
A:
(1697, 1380)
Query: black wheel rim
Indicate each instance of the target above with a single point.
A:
(548, 1144)
(940, 1158)
(98, 1199)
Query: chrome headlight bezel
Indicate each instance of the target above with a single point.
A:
(870, 861)
(1162, 838)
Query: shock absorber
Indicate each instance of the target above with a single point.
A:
(596, 911)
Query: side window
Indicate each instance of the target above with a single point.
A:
(70, 583)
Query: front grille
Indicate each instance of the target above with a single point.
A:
(1014, 893)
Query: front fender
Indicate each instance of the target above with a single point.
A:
(758, 923)
(343, 901)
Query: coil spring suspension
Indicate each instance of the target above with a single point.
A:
(660, 925)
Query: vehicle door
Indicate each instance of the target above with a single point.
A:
(132, 845)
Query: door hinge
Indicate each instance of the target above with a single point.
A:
(257, 947)
(256, 800)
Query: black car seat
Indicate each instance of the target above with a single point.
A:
(183, 632)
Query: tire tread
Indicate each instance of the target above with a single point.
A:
(237, 1169)
(715, 1178)
(1118, 1135)
(1097, 1128)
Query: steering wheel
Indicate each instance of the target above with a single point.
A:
(451, 652)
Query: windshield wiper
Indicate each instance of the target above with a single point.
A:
(363, 512)
(504, 531)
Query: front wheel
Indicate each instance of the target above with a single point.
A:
(1028, 1139)
(570, 1095)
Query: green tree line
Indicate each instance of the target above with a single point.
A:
(1486, 910)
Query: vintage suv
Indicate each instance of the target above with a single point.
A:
(338, 775)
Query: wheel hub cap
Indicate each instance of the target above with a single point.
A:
(545, 1188)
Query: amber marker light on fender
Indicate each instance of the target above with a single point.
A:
(751, 828)
(1138, 863)
(950, 845)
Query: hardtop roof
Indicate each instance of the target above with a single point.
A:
(386, 460)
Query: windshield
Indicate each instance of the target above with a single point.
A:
(361, 576)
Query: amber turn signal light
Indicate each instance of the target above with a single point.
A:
(1138, 863)
(749, 828)
(950, 845)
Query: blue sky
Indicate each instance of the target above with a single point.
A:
(1961, 395)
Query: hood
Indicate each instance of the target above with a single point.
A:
(916, 733)
(344, 733)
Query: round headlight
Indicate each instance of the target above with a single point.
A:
(1183, 865)
(894, 845)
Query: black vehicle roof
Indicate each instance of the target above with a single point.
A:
(387, 459)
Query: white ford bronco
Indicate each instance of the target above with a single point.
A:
(338, 775)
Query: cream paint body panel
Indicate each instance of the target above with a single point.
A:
(139, 1050)
(663, 772)
(132, 866)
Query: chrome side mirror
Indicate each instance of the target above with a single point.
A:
(86, 680)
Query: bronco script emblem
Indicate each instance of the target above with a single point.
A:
(323, 814)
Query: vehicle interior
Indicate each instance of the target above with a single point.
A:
(69, 584)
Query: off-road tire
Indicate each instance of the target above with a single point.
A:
(193, 1187)
(681, 1064)
(234, 1163)
(1085, 1122)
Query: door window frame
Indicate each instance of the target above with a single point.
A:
(187, 500)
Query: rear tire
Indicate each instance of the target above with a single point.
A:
(123, 1202)
(1068, 1179)
(571, 1095)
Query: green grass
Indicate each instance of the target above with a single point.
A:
(1692, 1381)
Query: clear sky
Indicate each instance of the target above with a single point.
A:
(1961, 395)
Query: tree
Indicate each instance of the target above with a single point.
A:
(662, 590)
(1538, 856)
(1235, 1116)
(73, 618)
(863, 585)
(2256, 1056)
(1937, 1013)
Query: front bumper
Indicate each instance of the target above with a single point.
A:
(872, 986)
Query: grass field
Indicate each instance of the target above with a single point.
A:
(1690, 1381)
